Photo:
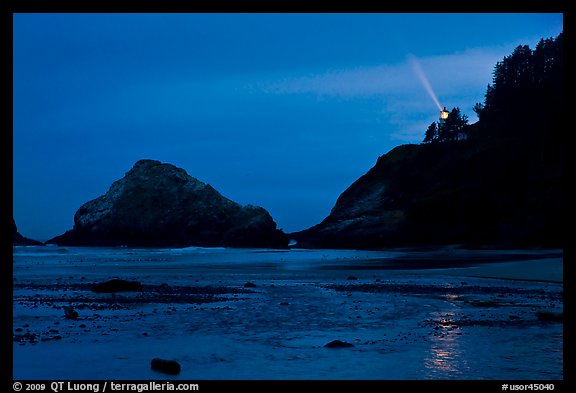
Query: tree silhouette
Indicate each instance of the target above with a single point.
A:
(524, 83)
(479, 110)
(521, 81)
(453, 128)
(431, 133)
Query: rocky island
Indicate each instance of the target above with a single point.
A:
(159, 205)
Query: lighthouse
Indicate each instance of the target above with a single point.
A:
(443, 115)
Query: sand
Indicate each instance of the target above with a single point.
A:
(548, 269)
(409, 315)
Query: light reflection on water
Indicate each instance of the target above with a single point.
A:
(501, 351)
(446, 357)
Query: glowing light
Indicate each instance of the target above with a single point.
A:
(422, 76)
(444, 114)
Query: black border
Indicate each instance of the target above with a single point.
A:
(358, 6)
(6, 168)
(9, 7)
(569, 240)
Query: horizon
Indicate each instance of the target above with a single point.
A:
(272, 116)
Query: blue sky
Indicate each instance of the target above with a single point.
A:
(283, 111)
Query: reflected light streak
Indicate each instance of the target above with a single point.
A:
(445, 358)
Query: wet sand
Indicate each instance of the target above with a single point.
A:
(549, 269)
(404, 323)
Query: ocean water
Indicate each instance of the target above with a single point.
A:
(405, 320)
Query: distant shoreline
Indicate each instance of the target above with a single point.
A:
(541, 270)
(480, 262)
(544, 265)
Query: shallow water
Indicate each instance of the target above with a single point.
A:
(404, 324)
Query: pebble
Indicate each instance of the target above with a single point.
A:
(166, 366)
(338, 344)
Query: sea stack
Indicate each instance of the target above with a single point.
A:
(159, 205)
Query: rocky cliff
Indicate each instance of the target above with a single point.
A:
(160, 205)
(502, 186)
(503, 191)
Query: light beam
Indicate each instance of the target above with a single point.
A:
(422, 76)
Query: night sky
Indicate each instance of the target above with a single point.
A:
(283, 111)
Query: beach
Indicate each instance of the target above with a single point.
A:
(548, 269)
(268, 314)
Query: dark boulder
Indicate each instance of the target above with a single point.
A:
(117, 285)
(160, 205)
(338, 344)
(70, 313)
(166, 366)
